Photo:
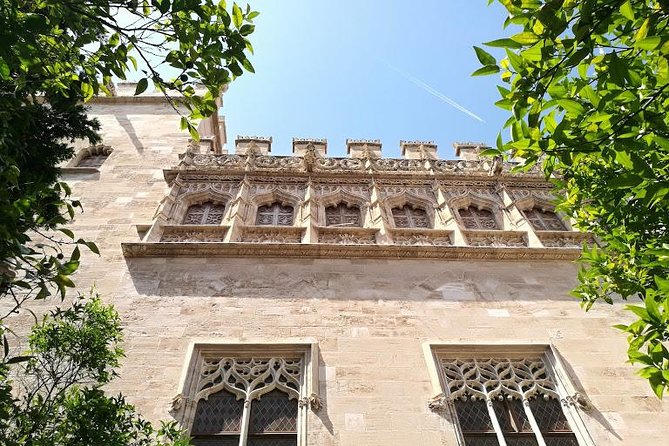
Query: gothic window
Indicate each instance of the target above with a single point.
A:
(274, 214)
(408, 217)
(208, 213)
(544, 220)
(270, 386)
(342, 215)
(94, 156)
(474, 218)
(506, 400)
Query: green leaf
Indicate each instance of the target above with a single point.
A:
(525, 38)
(237, 15)
(648, 43)
(486, 70)
(17, 359)
(504, 43)
(142, 85)
(4, 69)
(624, 181)
(484, 57)
(627, 11)
(571, 106)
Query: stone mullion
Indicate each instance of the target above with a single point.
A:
(307, 218)
(238, 211)
(515, 218)
(533, 422)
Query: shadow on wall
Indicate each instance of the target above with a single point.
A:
(359, 279)
(126, 124)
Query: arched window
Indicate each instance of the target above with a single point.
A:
(208, 213)
(274, 214)
(474, 218)
(544, 220)
(408, 217)
(272, 421)
(342, 215)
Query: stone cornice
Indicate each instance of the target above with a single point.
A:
(282, 250)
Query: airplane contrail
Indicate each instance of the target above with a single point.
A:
(419, 83)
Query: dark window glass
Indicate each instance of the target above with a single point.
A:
(218, 420)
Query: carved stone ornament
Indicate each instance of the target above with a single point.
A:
(397, 165)
(312, 401)
(495, 239)
(249, 378)
(487, 379)
(421, 237)
(438, 403)
(563, 239)
(272, 234)
(347, 236)
(176, 236)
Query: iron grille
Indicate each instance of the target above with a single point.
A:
(474, 218)
(274, 214)
(274, 412)
(516, 440)
(204, 214)
(473, 416)
(544, 221)
(221, 412)
(408, 217)
(562, 440)
(342, 215)
(490, 440)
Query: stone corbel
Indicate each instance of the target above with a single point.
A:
(312, 401)
(438, 403)
(579, 400)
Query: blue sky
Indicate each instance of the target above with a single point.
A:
(350, 69)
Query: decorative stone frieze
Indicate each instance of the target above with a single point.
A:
(347, 235)
(271, 234)
(495, 239)
(193, 233)
(421, 237)
(564, 239)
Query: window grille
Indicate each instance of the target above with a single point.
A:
(408, 217)
(274, 214)
(269, 419)
(506, 401)
(204, 214)
(474, 218)
(544, 220)
(342, 215)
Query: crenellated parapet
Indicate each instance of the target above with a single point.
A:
(311, 204)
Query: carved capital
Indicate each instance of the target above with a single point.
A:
(312, 401)
(438, 403)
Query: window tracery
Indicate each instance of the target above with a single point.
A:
(544, 220)
(248, 402)
(208, 213)
(506, 402)
(409, 217)
(342, 215)
(274, 214)
(475, 218)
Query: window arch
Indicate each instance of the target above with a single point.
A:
(207, 213)
(475, 218)
(274, 214)
(544, 220)
(342, 215)
(410, 217)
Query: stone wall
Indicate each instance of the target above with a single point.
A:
(370, 317)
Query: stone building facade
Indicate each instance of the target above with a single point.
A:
(359, 300)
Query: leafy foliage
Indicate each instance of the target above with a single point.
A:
(588, 91)
(56, 55)
(73, 352)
